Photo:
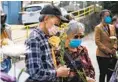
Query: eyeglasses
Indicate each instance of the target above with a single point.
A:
(76, 36)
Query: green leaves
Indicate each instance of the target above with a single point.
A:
(62, 51)
(82, 75)
(111, 5)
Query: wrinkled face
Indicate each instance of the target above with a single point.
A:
(51, 23)
(51, 20)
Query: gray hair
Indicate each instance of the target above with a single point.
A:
(75, 28)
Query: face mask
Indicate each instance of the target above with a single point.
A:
(74, 43)
(53, 30)
(107, 19)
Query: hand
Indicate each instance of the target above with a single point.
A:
(63, 71)
(90, 79)
(53, 30)
(72, 74)
(115, 46)
(109, 52)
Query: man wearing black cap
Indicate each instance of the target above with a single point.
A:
(39, 61)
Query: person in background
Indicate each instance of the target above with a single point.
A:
(115, 33)
(39, 62)
(105, 49)
(5, 39)
(5, 35)
(115, 24)
(114, 29)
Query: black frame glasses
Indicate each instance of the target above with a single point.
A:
(76, 36)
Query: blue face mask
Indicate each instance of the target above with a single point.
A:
(107, 19)
(74, 43)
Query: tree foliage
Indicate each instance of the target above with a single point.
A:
(111, 5)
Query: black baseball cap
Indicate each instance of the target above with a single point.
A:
(53, 10)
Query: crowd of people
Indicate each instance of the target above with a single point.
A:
(50, 58)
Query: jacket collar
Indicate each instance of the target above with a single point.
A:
(104, 29)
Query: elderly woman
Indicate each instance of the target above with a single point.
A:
(76, 56)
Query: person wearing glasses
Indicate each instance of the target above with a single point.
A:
(78, 53)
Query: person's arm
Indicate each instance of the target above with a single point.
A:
(113, 33)
(98, 41)
(112, 30)
(37, 68)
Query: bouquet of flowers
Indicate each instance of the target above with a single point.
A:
(113, 40)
